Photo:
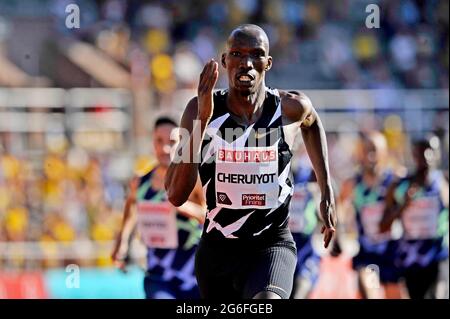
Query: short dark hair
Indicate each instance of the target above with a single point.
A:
(162, 120)
(250, 30)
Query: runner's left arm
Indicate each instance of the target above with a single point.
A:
(298, 107)
(393, 209)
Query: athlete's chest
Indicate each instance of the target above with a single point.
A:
(269, 128)
(243, 165)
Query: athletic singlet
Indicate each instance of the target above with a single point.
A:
(174, 264)
(425, 224)
(245, 172)
(303, 210)
(369, 205)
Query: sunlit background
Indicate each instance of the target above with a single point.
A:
(77, 107)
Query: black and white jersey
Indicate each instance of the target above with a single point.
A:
(245, 172)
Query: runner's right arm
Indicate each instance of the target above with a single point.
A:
(183, 171)
(120, 250)
(346, 216)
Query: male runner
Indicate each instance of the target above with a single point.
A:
(365, 194)
(420, 201)
(240, 143)
(171, 235)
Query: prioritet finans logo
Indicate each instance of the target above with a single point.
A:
(253, 199)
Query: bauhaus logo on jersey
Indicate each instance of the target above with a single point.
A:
(253, 199)
(247, 156)
(247, 175)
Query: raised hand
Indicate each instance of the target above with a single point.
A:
(208, 80)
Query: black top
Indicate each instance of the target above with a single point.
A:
(246, 173)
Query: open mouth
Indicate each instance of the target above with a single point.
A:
(245, 78)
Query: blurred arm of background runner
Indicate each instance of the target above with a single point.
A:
(444, 187)
(120, 250)
(393, 210)
(345, 209)
(315, 141)
(183, 173)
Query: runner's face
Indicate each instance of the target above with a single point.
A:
(246, 62)
(162, 143)
(370, 155)
(424, 157)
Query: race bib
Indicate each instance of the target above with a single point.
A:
(157, 224)
(371, 216)
(247, 177)
(297, 212)
(420, 219)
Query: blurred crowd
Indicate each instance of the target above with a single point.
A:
(66, 197)
(326, 42)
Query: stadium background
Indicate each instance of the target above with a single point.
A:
(77, 106)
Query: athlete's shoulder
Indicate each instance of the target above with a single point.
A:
(293, 97)
(145, 176)
(290, 93)
(401, 184)
(295, 104)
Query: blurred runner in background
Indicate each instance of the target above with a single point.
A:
(171, 235)
(364, 196)
(420, 202)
